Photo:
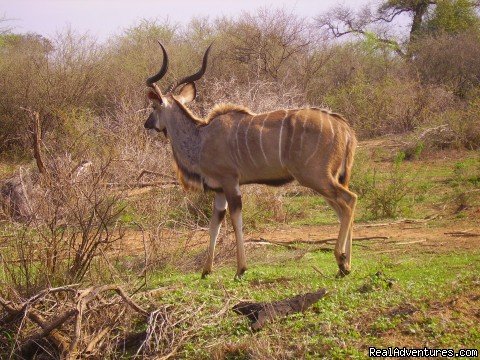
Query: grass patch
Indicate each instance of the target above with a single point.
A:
(338, 326)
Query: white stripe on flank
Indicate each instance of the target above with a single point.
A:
(303, 133)
(331, 127)
(236, 140)
(318, 142)
(246, 142)
(294, 123)
(261, 142)
(280, 139)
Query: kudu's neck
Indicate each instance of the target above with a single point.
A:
(185, 139)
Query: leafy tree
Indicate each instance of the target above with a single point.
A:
(30, 41)
(416, 8)
(446, 15)
(453, 17)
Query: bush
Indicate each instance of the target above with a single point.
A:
(454, 128)
(265, 60)
(383, 193)
(73, 221)
(451, 61)
(388, 107)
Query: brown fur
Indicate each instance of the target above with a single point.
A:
(234, 146)
(198, 121)
(225, 108)
(217, 110)
(221, 109)
(186, 180)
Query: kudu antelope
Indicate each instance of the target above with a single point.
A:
(234, 146)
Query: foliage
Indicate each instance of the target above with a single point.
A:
(390, 105)
(383, 196)
(271, 53)
(74, 219)
(450, 61)
(453, 17)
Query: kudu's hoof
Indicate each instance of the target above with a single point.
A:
(342, 272)
(239, 274)
(205, 273)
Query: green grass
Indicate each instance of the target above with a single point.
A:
(357, 312)
(353, 315)
(309, 210)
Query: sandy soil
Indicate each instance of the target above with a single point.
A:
(430, 235)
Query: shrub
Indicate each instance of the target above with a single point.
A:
(390, 106)
(74, 219)
(451, 61)
(454, 128)
(382, 193)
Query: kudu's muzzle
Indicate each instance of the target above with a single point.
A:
(152, 124)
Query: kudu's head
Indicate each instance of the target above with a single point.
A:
(162, 102)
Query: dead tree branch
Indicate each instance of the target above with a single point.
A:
(290, 244)
(261, 313)
(51, 321)
(149, 172)
(37, 138)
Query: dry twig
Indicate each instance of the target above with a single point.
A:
(462, 234)
(289, 244)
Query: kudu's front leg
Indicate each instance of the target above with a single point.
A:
(234, 199)
(219, 209)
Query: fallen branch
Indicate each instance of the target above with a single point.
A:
(162, 184)
(261, 313)
(48, 327)
(50, 321)
(261, 241)
(462, 234)
(96, 339)
(289, 244)
(143, 172)
(402, 221)
(318, 271)
(409, 242)
(87, 295)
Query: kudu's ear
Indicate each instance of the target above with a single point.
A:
(187, 93)
(152, 95)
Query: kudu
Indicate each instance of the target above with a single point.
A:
(234, 146)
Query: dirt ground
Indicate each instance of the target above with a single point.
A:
(430, 235)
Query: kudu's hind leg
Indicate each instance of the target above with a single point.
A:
(347, 249)
(219, 209)
(345, 201)
(348, 245)
(234, 199)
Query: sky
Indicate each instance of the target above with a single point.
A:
(102, 18)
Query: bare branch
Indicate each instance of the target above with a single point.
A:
(37, 138)
(341, 21)
(289, 244)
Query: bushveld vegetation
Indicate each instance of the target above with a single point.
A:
(89, 199)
